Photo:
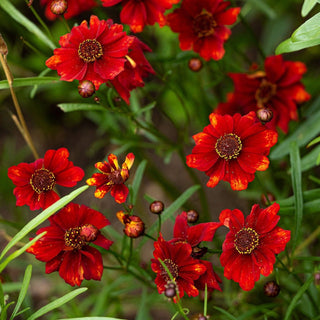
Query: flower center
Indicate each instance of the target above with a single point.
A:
(204, 24)
(42, 180)
(246, 240)
(265, 92)
(73, 238)
(90, 50)
(115, 177)
(173, 268)
(228, 146)
(89, 233)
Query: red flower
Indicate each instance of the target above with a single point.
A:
(96, 53)
(194, 235)
(112, 177)
(66, 245)
(137, 14)
(251, 244)
(279, 88)
(35, 181)
(232, 148)
(135, 68)
(201, 26)
(184, 269)
(75, 7)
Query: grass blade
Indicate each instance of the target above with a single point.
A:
(137, 181)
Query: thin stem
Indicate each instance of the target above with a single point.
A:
(150, 237)
(25, 132)
(130, 253)
(205, 303)
(159, 228)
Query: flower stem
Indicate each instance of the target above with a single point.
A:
(22, 124)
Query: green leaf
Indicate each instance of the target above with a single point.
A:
(307, 6)
(302, 135)
(297, 191)
(297, 297)
(263, 7)
(17, 253)
(26, 82)
(313, 142)
(308, 208)
(310, 160)
(307, 195)
(23, 291)
(307, 35)
(57, 303)
(226, 313)
(70, 107)
(93, 318)
(10, 9)
(137, 181)
(44, 215)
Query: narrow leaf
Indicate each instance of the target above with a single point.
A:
(297, 297)
(26, 82)
(57, 303)
(302, 135)
(93, 318)
(137, 181)
(226, 313)
(70, 107)
(307, 6)
(10, 9)
(307, 35)
(23, 291)
(17, 253)
(297, 191)
(44, 215)
(310, 160)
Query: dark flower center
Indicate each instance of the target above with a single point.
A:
(42, 180)
(90, 50)
(228, 146)
(246, 240)
(173, 268)
(115, 177)
(265, 92)
(73, 238)
(204, 24)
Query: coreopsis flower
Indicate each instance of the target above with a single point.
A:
(232, 148)
(66, 245)
(183, 268)
(112, 178)
(96, 53)
(137, 14)
(194, 235)
(136, 68)
(277, 88)
(74, 8)
(35, 181)
(251, 244)
(201, 26)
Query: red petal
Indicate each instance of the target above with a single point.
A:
(119, 192)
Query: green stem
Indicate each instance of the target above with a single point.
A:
(205, 304)
(130, 253)
(159, 229)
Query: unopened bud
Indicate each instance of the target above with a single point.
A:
(197, 252)
(192, 216)
(170, 291)
(271, 289)
(86, 88)
(89, 233)
(200, 316)
(59, 6)
(264, 115)
(266, 199)
(156, 207)
(317, 278)
(3, 46)
(195, 64)
(134, 226)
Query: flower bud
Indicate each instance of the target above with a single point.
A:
(59, 6)
(264, 115)
(266, 199)
(156, 207)
(195, 64)
(171, 290)
(3, 46)
(200, 316)
(271, 289)
(89, 233)
(86, 88)
(197, 252)
(192, 216)
(317, 278)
